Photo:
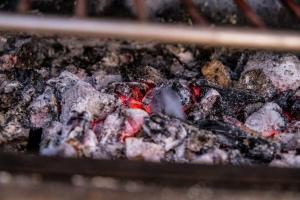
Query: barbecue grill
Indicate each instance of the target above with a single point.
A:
(234, 24)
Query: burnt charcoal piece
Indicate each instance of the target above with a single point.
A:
(267, 120)
(34, 140)
(295, 109)
(43, 109)
(8, 91)
(136, 149)
(252, 146)
(182, 142)
(205, 107)
(257, 81)
(75, 139)
(287, 160)
(169, 132)
(145, 73)
(282, 69)
(232, 101)
(83, 97)
(216, 72)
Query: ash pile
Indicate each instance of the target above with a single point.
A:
(108, 99)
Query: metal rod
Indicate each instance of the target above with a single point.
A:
(232, 37)
(250, 14)
(294, 7)
(23, 6)
(194, 13)
(80, 8)
(140, 9)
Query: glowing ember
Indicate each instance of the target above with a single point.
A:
(270, 133)
(136, 98)
(133, 123)
(196, 92)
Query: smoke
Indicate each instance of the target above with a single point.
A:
(167, 101)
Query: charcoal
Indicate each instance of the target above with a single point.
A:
(109, 99)
(183, 54)
(214, 156)
(287, 160)
(8, 91)
(136, 149)
(43, 109)
(234, 101)
(267, 120)
(101, 79)
(133, 122)
(62, 83)
(251, 108)
(204, 107)
(145, 73)
(76, 138)
(110, 131)
(282, 69)
(83, 97)
(288, 141)
(7, 62)
(13, 130)
(216, 72)
(180, 140)
(168, 132)
(295, 108)
(257, 81)
(252, 146)
(50, 138)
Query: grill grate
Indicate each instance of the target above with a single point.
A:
(259, 37)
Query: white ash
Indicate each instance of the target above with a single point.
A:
(43, 108)
(110, 130)
(183, 54)
(168, 132)
(13, 130)
(288, 141)
(101, 79)
(266, 119)
(83, 97)
(283, 70)
(76, 139)
(50, 138)
(63, 82)
(287, 160)
(134, 121)
(214, 156)
(137, 149)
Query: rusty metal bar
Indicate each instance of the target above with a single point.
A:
(23, 6)
(295, 8)
(194, 13)
(140, 9)
(80, 8)
(232, 37)
(250, 14)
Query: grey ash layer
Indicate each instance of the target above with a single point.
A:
(68, 90)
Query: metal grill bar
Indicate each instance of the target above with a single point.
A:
(232, 37)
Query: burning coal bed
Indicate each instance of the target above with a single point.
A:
(109, 99)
